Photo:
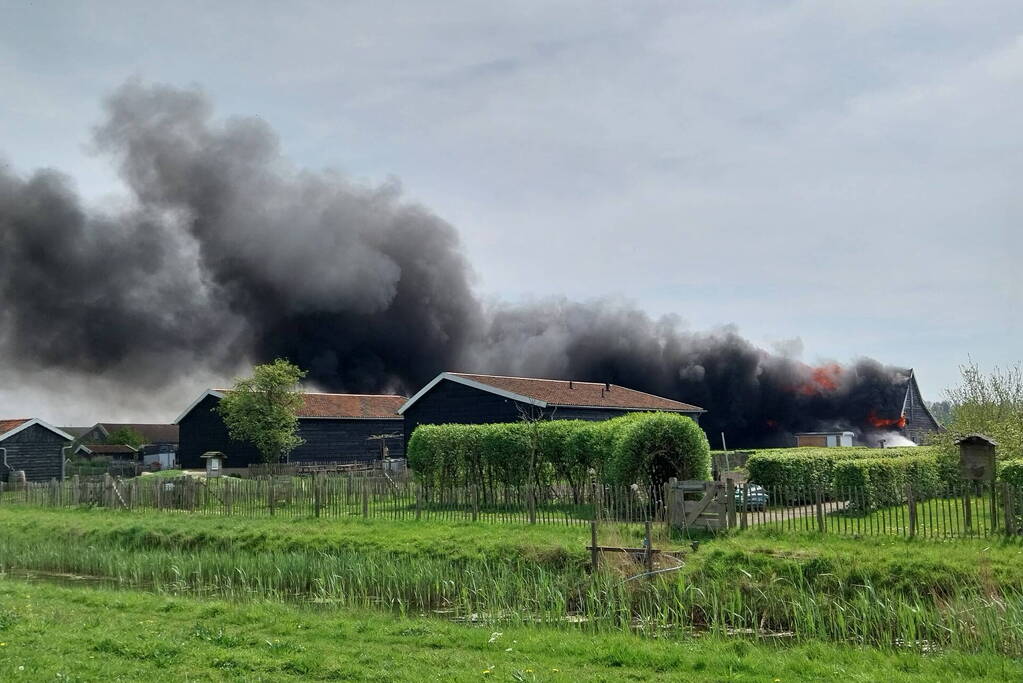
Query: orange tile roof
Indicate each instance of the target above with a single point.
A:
(347, 405)
(8, 425)
(350, 405)
(557, 392)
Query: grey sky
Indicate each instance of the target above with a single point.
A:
(841, 173)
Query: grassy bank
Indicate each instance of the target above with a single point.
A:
(90, 634)
(547, 544)
(963, 595)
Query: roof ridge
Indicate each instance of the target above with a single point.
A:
(328, 393)
(534, 379)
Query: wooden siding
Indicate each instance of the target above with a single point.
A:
(919, 422)
(818, 440)
(327, 440)
(36, 450)
(454, 403)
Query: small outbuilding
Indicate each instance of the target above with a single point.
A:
(456, 397)
(34, 447)
(825, 439)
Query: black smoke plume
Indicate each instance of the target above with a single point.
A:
(228, 252)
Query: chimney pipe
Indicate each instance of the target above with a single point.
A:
(607, 386)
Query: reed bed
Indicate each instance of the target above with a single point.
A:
(765, 603)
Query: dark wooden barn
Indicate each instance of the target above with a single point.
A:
(336, 428)
(918, 422)
(33, 446)
(455, 397)
(904, 412)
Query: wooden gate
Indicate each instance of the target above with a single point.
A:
(698, 504)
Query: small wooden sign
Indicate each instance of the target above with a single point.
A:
(977, 458)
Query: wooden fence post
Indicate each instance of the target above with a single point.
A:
(911, 500)
(594, 553)
(419, 502)
(365, 497)
(532, 506)
(475, 503)
(967, 508)
(648, 552)
(270, 492)
(744, 513)
(1010, 509)
(818, 503)
(316, 493)
(994, 506)
(108, 485)
(730, 503)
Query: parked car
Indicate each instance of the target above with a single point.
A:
(756, 498)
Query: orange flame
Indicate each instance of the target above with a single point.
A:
(881, 422)
(822, 380)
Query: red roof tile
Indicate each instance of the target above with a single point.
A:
(8, 425)
(557, 392)
(350, 405)
(347, 405)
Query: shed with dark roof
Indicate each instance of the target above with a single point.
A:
(465, 398)
(335, 427)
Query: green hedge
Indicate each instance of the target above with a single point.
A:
(658, 447)
(1011, 471)
(623, 450)
(880, 482)
(813, 467)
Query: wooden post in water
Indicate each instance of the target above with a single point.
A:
(594, 553)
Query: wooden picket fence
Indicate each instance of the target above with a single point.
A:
(967, 510)
(336, 496)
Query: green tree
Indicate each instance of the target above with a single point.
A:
(262, 409)
(990, 404)
(126, 436)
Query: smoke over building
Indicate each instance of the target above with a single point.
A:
(228, 251)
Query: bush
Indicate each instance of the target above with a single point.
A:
(802, 471)
(499, 454)
(1011, 472)
(882, 482)
(654, 447)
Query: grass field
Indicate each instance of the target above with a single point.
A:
(59, 633)
(890, 593)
